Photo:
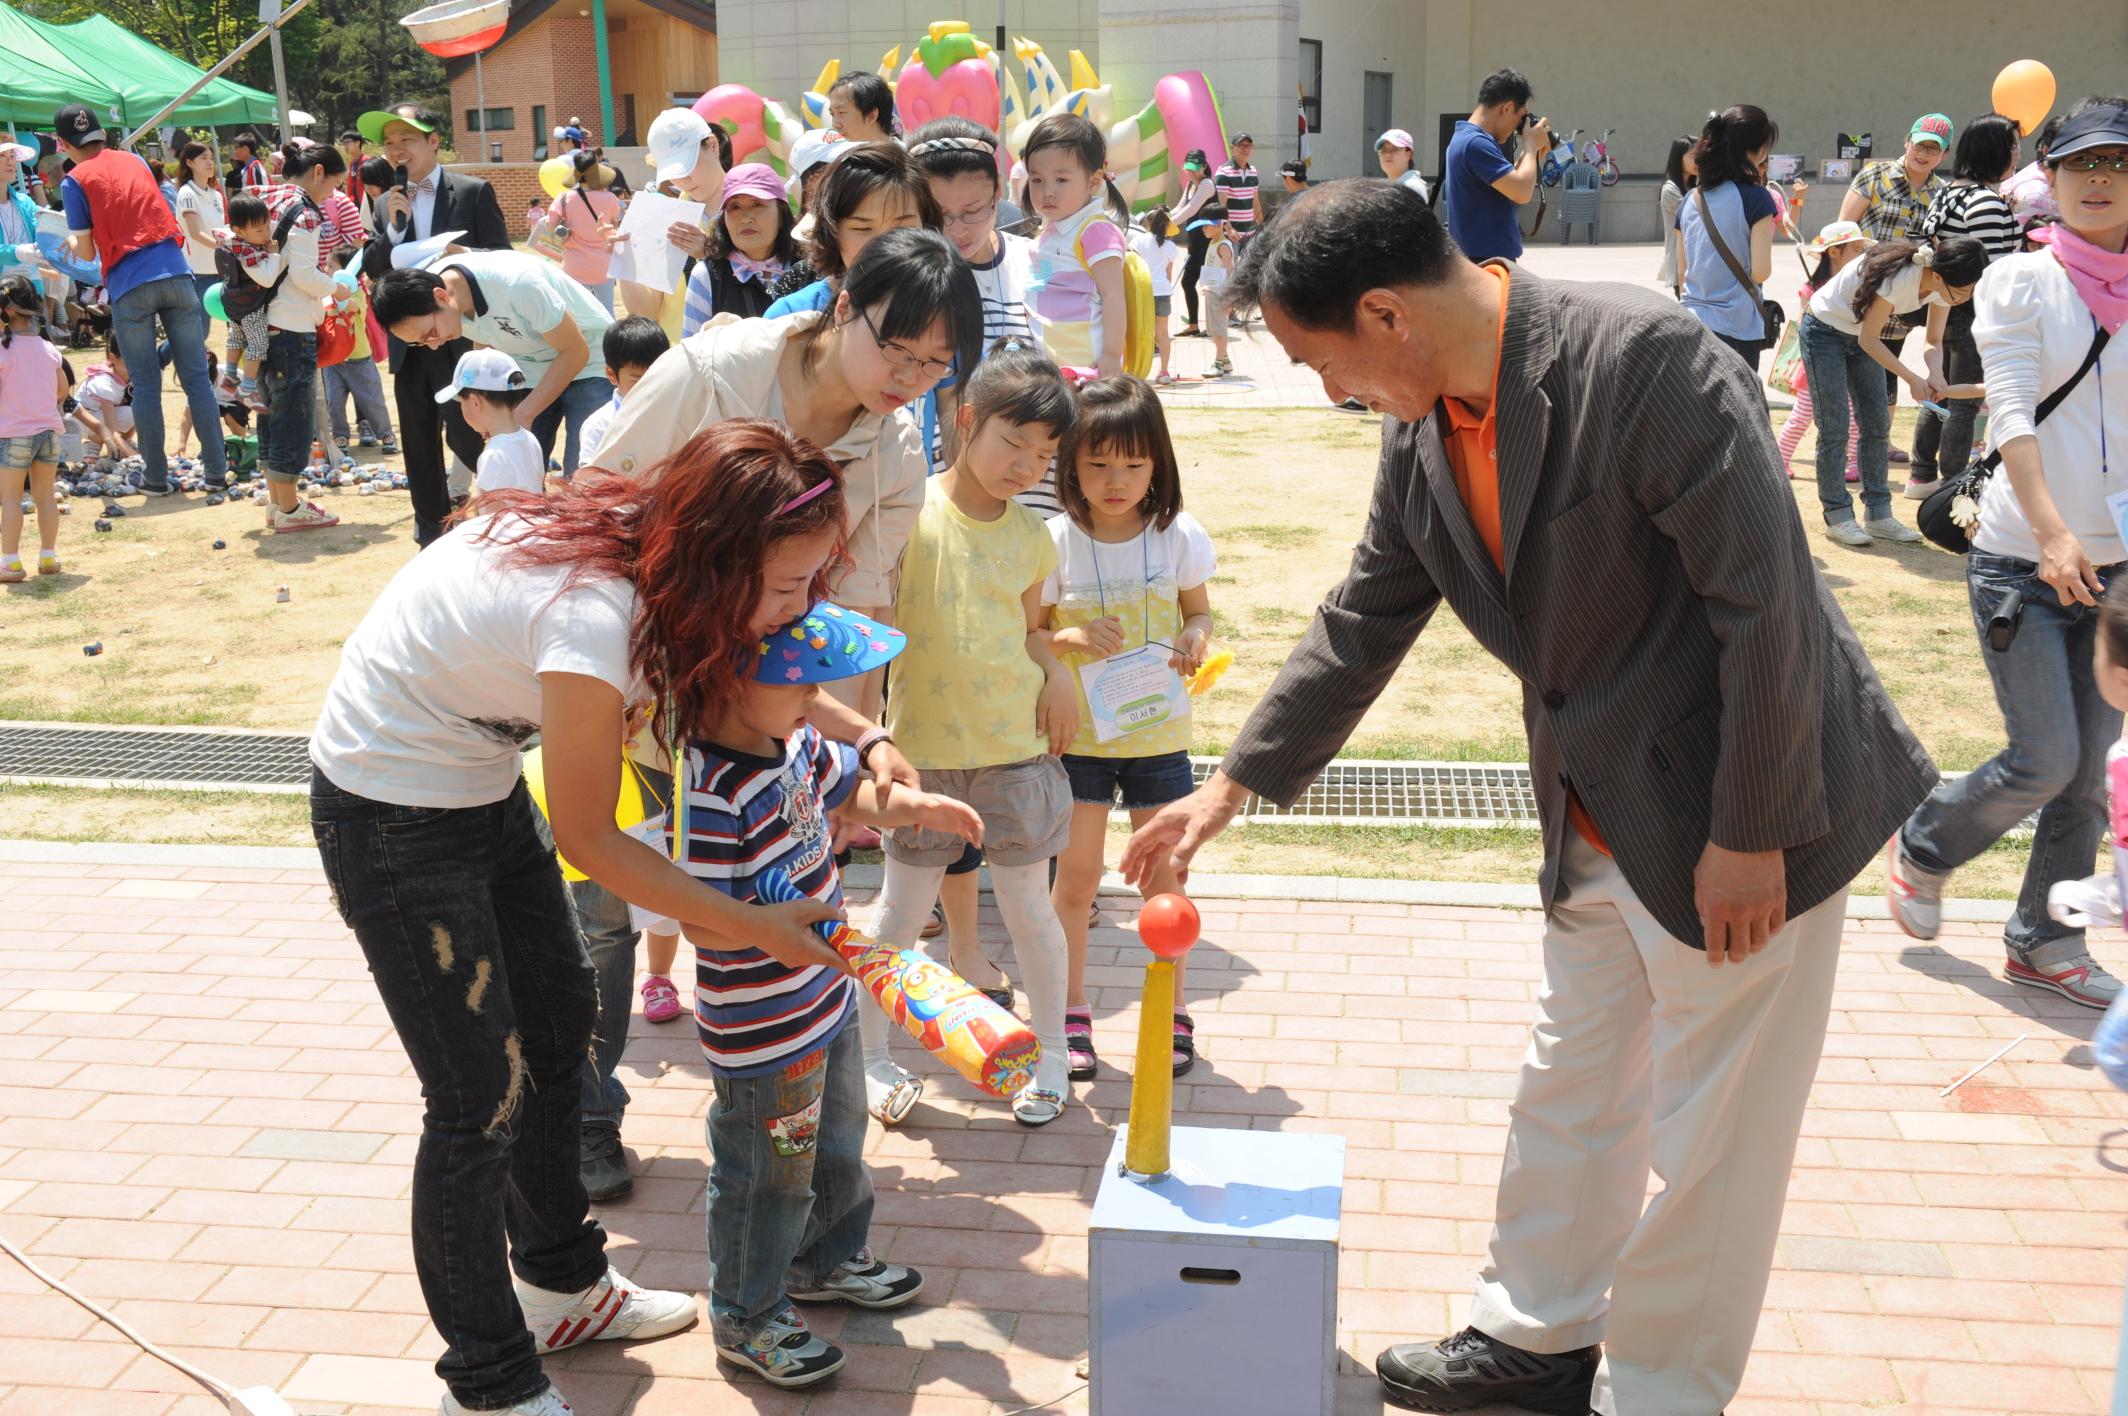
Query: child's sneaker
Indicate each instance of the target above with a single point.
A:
(785, 1353)
(661, 1001)
(547, 1403)
(613, 1309)
(1222, 367)
(307, 516)
(866, 1282)
(47, 562)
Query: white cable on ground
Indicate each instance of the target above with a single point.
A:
(251, 1401)
(1045, 1405)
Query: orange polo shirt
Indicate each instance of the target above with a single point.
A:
(1473, 443)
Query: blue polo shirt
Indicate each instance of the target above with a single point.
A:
(1482, 221)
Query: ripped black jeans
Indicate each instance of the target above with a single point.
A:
(467, 928)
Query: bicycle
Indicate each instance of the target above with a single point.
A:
(1598, 155)
(1559, 159)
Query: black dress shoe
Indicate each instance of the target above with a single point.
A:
(604, 1165)
(1472, 1370)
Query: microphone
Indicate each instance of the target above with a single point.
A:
(399, 222)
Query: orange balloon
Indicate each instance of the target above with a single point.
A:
(2024, 94)
(1168, 924)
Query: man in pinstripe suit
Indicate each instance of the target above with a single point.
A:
(1587, 478)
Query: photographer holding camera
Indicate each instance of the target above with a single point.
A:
(1481, 185)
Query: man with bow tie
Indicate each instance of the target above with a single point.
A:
(428, 202)
(749, 247)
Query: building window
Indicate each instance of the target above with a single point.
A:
(499, 120)
(540, 135)
(1311, 83)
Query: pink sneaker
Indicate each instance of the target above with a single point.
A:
(661, 1001)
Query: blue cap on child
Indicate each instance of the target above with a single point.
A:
(824, 644)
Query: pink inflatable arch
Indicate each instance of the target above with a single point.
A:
(1189, 110)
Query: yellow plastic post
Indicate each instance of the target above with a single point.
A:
(1152, 1110)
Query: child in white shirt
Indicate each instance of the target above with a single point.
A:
(631, 346)
(1164, 259)
(488, 386)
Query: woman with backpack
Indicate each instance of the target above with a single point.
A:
(1969, 204)
(585, 208)
(2047, 323)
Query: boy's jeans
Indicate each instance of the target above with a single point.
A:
(469, 936)
(2055, 762)
(577, 402)
(356, 378)
(789, 1196)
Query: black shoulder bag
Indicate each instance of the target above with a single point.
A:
(1769, 310)
(1953, 509)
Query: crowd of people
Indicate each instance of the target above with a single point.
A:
(839, 541)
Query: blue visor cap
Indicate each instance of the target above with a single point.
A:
(824, 644)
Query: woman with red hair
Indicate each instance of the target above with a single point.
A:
(566, 617)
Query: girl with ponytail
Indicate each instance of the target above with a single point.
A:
(1844, 348)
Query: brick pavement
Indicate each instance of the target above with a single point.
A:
(205, 1119)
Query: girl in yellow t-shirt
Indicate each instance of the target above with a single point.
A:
(981, 705)
(1128, 593)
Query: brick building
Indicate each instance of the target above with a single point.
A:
(545, 71)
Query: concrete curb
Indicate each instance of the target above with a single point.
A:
(1203, 885)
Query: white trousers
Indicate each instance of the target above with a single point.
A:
(1645, 1056)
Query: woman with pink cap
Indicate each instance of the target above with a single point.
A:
(750, 244)
(1393, 149)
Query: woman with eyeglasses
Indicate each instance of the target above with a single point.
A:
(2046, 547)
(846, 379)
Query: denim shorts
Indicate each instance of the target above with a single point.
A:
(1163, 304)
(1142, 782)
(20, 454)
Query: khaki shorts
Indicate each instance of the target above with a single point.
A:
(1025, 806)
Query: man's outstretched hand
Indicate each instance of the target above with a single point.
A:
(1176, 831)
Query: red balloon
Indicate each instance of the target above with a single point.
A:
(1168, 924)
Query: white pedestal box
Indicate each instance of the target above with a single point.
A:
(1214, 1289)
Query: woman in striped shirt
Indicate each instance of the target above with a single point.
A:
(1970, 204)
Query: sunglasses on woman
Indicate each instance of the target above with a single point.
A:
(2115, 161)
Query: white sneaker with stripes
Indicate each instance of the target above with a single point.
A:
(613, 1309)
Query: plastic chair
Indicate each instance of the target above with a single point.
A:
(1581, 202)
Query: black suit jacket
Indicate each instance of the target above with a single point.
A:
(463, 203)
(1685, 669)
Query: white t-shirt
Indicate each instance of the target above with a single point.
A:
(1162, 258)
(593, 432)
(1835, 304)
(1414, 181)
(438, 687)
(1138, 581)
(105, 397)
(512, 462)
(212, 213)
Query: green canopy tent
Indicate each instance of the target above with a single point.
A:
(123, 77)
(146, 77)
(38, 75)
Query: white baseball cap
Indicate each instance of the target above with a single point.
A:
(816, 146)
(675, 142)
(488, 370)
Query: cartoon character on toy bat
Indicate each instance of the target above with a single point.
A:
(936, 1006)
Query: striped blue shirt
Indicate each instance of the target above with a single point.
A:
(746, 815)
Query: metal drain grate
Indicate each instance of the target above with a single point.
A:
(189, 758)
(1350, 792)
(1361, 792)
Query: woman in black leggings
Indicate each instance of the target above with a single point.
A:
(1196, 191)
